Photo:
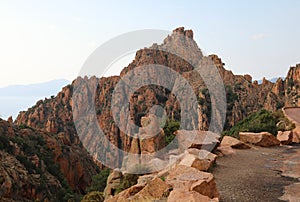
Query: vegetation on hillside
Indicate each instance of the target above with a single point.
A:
(34, 145)
(169, 129)
(99, 181)
(259, 122)
(94, 196)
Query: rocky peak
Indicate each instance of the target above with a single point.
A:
(180, 31)
(294, 73)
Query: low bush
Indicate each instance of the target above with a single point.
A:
(257, 122)
(99, 181)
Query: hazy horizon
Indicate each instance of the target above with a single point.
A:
(42, 41)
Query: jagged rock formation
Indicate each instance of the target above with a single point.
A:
(185, 177)
(243, 97)
(35, 164)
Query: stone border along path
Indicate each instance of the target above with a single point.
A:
(253, 175)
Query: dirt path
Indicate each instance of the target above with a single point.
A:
(252, 175)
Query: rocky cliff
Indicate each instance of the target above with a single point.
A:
(35, 164)
(244, 96)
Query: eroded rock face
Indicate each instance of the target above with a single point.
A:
(35, 165)
(113, 182)
(17, 183)
(263, 139)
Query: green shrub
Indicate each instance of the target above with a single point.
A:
(169, 129)
(130, 179)
(1, 180)
(99, 181)
(257, 122)
(94, 196)
(24, 126)
(127, 181)
(27, 164)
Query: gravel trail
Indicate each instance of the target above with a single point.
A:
(252, 175)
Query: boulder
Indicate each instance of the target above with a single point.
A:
(152, 191)
(285, 137)
(190, 196)
(263, 139)
(296, 135)
(186, 178)
(225, 150)
(204, 140)
(234, 143)
(200, 161)
(126, 194)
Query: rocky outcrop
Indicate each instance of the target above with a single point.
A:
(291, 87)
(263, 139)
(181, 179)
(113, 182)
(183, 174)
(17, 183)
(37, 165)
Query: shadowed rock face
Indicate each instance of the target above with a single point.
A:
(35, 164)
(243, 98)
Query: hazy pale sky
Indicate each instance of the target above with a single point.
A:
(45, 40)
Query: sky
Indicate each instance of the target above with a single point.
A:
(45, 40)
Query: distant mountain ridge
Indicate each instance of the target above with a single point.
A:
(38, 89)
(273, 80)
(16, 98)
